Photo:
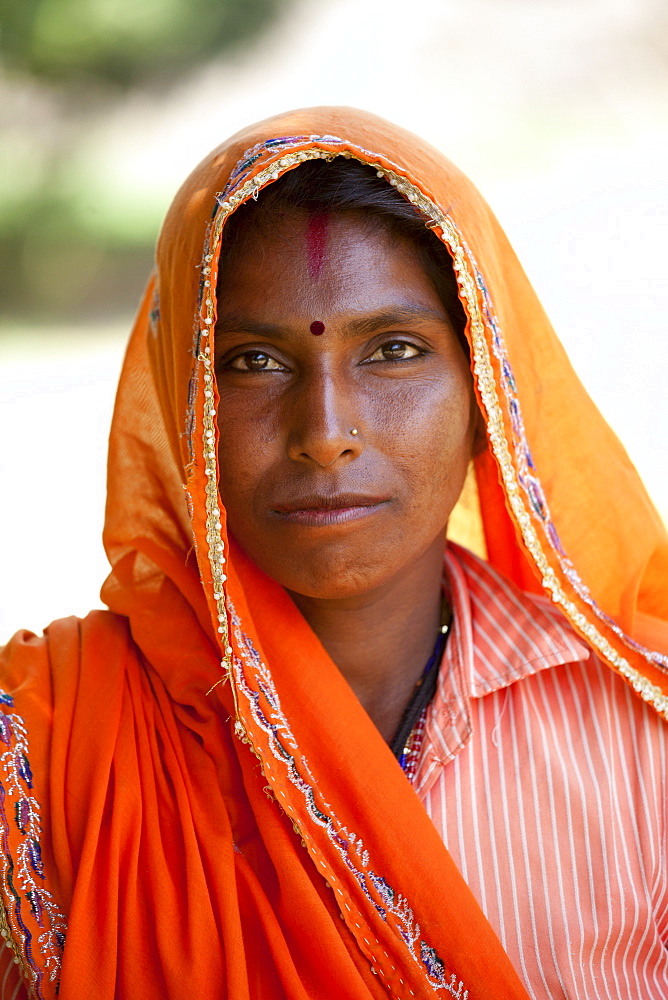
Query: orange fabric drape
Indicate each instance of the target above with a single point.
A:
(211, 831)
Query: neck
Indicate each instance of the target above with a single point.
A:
(382, 639)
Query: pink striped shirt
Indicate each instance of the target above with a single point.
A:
(546, 775)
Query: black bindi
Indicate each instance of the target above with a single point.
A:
(317, 328)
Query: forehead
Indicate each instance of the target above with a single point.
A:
(295, 260)
(299, 232)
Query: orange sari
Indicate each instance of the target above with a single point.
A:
(189, 790)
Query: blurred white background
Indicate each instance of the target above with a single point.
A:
(557, 109)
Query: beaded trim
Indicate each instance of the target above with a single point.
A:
(531, 485)
(524, 491)
(515, 486)
(235, 193)
(268, 715)
(411, 752)
(23, 882)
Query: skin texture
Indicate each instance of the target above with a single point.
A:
(316, 243)
(365, 570)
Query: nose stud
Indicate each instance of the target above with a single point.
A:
(354, 431)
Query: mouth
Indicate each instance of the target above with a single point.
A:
(318, 510)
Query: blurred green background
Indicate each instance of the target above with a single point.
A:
(68, 246)
(556, 109)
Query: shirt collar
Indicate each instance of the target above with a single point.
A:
(502, 634)
(498, 636)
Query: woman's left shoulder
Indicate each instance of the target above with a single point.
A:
(58, 692)
(34, 669)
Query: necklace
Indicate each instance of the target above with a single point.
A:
(407, 740)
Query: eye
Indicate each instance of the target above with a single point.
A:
(253, 361)
(395, 350)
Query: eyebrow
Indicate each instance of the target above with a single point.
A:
(363, 326)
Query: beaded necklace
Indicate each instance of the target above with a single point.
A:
(407, 740)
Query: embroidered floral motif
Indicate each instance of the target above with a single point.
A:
(24, 880)
(385, 900)
(437, 975)
(520, 477)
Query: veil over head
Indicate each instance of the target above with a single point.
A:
(562, 508)
(249, 765)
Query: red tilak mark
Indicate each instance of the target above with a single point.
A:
(317, 328)
(316, 243)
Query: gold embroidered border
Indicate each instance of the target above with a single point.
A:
(216, 552)
(495, 425)
(482, 368)
(206, 319)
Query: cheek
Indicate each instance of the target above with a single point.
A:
(244, 455)
(433, 415)
(431, 436)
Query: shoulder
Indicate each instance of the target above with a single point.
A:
(65, 635)
(62, 689)
(520, 636)
(512, 633)
(59, 696)
(37, 670)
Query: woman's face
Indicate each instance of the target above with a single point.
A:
(328, 326)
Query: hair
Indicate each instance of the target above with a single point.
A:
(343, 185)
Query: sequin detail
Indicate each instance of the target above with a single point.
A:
(261, 166)
(237, 190)
(523, 488)
(391, 906)
(530, 483)
(437, 974)
(27, 901)
(411, 752)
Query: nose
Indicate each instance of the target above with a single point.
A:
(324, 427)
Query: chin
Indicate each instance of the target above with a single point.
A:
(326, 591)
(330, 579)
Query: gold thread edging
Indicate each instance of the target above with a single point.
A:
(206, 322)
(483, 371)
(215, 545)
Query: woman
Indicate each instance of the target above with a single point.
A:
(239, 782)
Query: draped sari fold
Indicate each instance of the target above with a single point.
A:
(219, 816)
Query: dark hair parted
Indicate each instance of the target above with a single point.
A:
(343, 185)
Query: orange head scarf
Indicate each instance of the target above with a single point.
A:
(209, 828)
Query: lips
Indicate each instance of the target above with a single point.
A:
(322, 509)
